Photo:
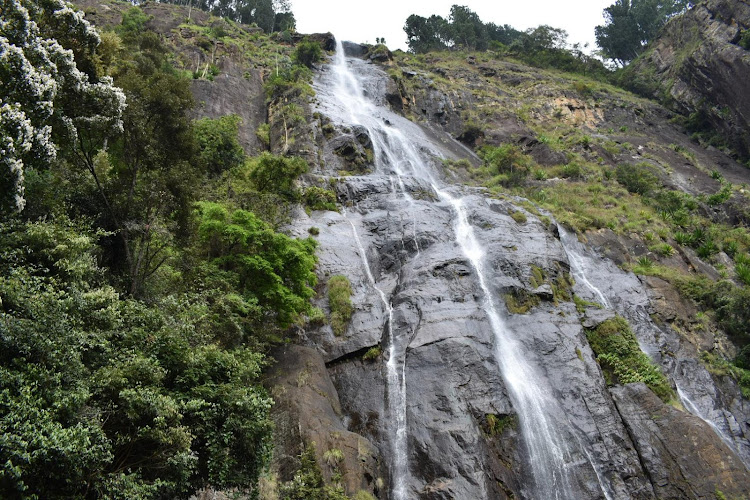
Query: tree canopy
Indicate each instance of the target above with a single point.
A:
(45, 97)
(631, 24)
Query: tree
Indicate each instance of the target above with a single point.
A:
(105, 397)
(307, 53)
(270, 268)
(468, 30)
(426, 34)
(45, 99)
(218, 147)
(631, 24)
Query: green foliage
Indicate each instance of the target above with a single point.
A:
(745, 39)
(738, 370)
(582, 304)
(133, 22)
(318, 198)
(497, 424)
(264, 134)
(108, 396)
(268, 268)
(518, 216)
(277, 174)
(51, 97)
(373, 353)
(307, 53)
(506, 163)
(639, 178)
(618, 353)
(520, 301)
(218, 147)
(308, 483)
(631, 24)
(340, 302)
(288, 80)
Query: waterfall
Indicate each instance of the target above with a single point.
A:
(582, 265)
(553, 448)
(396, 377)
(575, 252)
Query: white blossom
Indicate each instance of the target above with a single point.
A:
(37, 74)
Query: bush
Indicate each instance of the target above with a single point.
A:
(317, 198)
(218, 147)
(621, 358)
(269, 269)
(307, 53)
(508, 162)
(745, 39)
(308, 483)
(340, 302)
(639, 178)
(277, 174)
(109, 397)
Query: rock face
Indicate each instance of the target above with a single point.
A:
(420, 303)
(680, 452)
(307, 411)
(699, 63)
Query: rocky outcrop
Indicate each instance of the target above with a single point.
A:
(698, 63)
(307, 411)
(683, 456)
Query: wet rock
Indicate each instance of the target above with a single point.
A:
(682, 455)
(357, 157)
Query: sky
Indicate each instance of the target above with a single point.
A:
(363, 22)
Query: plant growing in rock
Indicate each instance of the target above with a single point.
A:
(373, 353)
(619, 354)
(340, 302)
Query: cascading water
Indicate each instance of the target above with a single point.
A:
(574, 250)
(581, 266)
(555, 453)
(396, 370)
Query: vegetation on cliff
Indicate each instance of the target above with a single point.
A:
(142, 271)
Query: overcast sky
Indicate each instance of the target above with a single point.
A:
(363, 21)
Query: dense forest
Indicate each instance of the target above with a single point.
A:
(143, 274)
(146, 269)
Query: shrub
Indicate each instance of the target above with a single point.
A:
(373, 353)
(507, 161)
(745, 39)
(218, 147)
(639, 178)
(269, 268)
(520, 301)
(318, 198)
(340, 302)
(307, 53)
(497, 424)
(572, 171)
(518, 216)
(743, 273)
(618, 353)
(277, 174)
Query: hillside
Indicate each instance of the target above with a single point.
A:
(311, 269)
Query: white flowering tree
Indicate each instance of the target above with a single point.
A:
(45, 100)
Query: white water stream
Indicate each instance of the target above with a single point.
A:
(551, 450)
(581, 264)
